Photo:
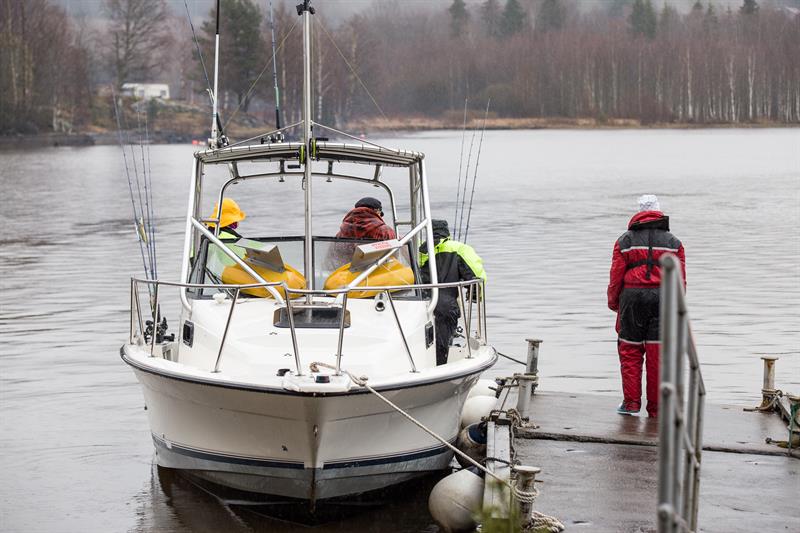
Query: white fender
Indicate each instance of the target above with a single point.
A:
(455, 500)
(482, 388)
(475, 408)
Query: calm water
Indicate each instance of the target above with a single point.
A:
(76, 450)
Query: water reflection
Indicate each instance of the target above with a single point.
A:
(177, 502)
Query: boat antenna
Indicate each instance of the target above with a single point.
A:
(305, 10)
(461, 159)
(475, 177)
(278, 136)
(218, 138)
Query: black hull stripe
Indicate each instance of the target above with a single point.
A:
(387, 459)
(270, 390)
(226, 458)
(294, 465)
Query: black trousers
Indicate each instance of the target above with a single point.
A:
(638, 315)
(446, 320)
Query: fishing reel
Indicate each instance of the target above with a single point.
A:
(161, 332)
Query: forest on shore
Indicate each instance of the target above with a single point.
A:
(533, 62)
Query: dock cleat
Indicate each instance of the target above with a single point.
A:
(627, 409)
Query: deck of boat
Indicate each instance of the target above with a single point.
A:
(599, 468)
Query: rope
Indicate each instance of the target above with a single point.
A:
(542, 523)
(536, 522)
(362, 381)
(253, 85)
(501, 354)
(353, 70)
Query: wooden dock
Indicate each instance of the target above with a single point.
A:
(599, 469)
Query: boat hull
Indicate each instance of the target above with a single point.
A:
(301, 445)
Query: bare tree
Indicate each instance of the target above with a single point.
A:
(137, 38)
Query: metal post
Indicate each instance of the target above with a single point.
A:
(464, 316)
(139, 313)
(341, 336)
(479, 290)
(532, 366)
(666, 420)
(130, 337)
(526, 479)
(524, 391)
(225, 331)
(153, 335)
(290, 314)
(309, 263)
(768, 387)
(400, 328)
(483, 312)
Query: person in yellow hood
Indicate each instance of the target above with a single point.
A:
(232, 214)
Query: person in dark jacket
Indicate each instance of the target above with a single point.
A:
(365, 221)
(455, 261)
(633, 292)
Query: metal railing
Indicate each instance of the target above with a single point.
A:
(680, 428)
(475, 295)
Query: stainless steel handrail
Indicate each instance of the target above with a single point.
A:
(681, 413)
(344, 292)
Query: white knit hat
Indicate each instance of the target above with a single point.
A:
(648, 202)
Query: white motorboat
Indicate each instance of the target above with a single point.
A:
(262, 389)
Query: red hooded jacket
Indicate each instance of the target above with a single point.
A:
(634, 263)
(364, 223)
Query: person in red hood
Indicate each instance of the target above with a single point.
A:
(633, 292)
(365, 221)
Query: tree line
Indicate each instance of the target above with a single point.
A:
(626, 59)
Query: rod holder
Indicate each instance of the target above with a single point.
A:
(526, 384)
(526, 478)
(532, 365)
(768, 390)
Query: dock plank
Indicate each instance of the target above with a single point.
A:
(612, 487)
(593, 418)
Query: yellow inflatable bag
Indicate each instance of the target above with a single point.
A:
(266, 260)
(393, 272)
(235, 275)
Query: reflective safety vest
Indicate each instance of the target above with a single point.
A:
(455, 261)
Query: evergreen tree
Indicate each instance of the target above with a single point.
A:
(490, 16)
(710, 19)
(668, 19)
(642, 19)
(697, 8)
(749, 7)
(551, 16)
(241, 51)
(514, 19)
(459, 17)
(617, 8)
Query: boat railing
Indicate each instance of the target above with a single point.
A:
(680, 432)
(471, 303)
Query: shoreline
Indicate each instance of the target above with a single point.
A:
(366, 126)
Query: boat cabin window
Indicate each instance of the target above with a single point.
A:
(332, 266)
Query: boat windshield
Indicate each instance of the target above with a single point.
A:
(333, 260)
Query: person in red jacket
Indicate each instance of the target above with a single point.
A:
(365, 221)
(633, 292)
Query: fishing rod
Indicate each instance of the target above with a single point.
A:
(461, 159)
(477, 161)
(457, 224)
(138, 212)
(279, 135)
(214, 142)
